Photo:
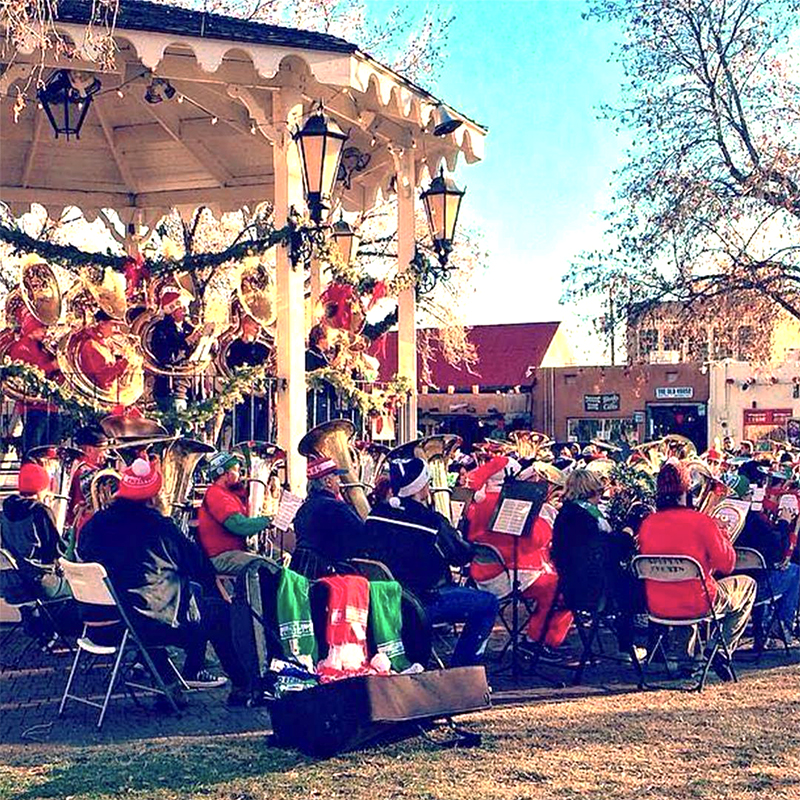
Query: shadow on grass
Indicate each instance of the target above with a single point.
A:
(186, 767)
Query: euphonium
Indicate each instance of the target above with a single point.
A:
(104, 485)
(333, 440)
(437, 451)
(712, 490)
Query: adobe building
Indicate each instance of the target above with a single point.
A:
(615, 403)
(499, 386)
(756, 403)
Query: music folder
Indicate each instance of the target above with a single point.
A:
(519, 504)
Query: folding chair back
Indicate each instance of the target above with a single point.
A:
(371, 569)
(88, 582)
(667, 569)
(748, 559)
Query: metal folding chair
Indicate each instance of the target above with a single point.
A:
(751, 561)
(675, 569)
(90, 584)
(487, 555)
(27, 604)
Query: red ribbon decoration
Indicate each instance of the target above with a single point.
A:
(337, 300)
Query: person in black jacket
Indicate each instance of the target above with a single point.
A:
(321, 402)
(591, 559)
(251, 415)
(29, 534)
(171, 344)
(419, 545)
(328, 530)
(773, 541)
(164, 582)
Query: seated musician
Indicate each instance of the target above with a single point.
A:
(28, 532)
(328, 530)
(591, 559)
(775, 540)
(247, 351)
(536, 572)
(222, 522)
(676, 529)
(92, 442)
(165, 583)
(171, 345)
(419, 546)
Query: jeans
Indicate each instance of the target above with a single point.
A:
(785, 582)
(473, 607)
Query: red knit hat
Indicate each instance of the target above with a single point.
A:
(32, 478)
(173, 298)
(673, 479)
(140, 481)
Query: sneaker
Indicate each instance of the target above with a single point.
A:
(205, 679)
(722, 667)
(541, 653)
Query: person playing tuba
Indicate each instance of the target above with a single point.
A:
(172, 345)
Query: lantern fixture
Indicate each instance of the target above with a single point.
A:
(346, 238)
(320, 142)
(66, 98)
(442, 201)
(160, 89)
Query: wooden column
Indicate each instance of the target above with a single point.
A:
(287, 105)
(407, 305)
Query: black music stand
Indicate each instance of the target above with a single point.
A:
(517, 508)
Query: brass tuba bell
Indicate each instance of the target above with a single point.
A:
(334, 440)
(437, 452)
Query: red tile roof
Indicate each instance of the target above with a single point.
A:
(507, 356)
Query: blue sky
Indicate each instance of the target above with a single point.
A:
(535, 73)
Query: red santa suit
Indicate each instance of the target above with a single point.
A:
(28, 348)
(97, 359)
(537, 576)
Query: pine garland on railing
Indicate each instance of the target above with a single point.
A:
(384, 399)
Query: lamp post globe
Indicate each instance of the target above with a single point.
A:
(442, 201)
(66, 98)
(346, 238)
(320, 143)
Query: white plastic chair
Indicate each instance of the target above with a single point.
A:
(90, 584)
(674, 569)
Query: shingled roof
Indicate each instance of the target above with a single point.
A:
(139, 15)
(508, 356)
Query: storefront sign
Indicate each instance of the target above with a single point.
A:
(674, 392)
(638, 417)
(601, 402)
(767, 416)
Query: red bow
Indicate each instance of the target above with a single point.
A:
(337, 300)
(129, 412)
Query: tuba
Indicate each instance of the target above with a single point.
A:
(334, 440)
(264, 462)
(532, 445)
(178, 464)
(104, 485)
(712, 490)
(437, 452)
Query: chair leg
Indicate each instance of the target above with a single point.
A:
(156, 675)
(588, 642)
(112, 681)
(71, 677)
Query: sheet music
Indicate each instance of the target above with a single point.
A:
(287, 510)
(456, 510)
(512, 516)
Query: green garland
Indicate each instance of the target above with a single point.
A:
(374, 330)
(33, 382)
(348, 390)
(631, 486)
(73, 258)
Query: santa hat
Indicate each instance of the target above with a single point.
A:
(407, 476)
(673, 479)
(490, 476)
(319, 468)
(140, 481)
(173, 298)
(32, 478)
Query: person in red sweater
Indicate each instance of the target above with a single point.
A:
(677, 530)
(222, 522)
(536, 572)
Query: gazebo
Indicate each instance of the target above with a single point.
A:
(199, 109)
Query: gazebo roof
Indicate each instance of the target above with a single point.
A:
(143, 159)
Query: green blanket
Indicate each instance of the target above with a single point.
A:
(386, 621)
(295, 627)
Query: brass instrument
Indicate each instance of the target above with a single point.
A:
(41, 291)
(678, 445)
(438, 452)
(333, 440)
(712, 490)
(178, 464)
(532, 444)
(372, 461)
(264, 461)
(58, 461)
(104, 485)
(256, 295)
(602, 467)
(651, 452)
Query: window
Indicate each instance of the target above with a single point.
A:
(723, 345)
(648, 342)
(746, 342)
(569, 380)
(672, 339)
(607, 429)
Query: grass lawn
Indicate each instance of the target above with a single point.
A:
(731, 742)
